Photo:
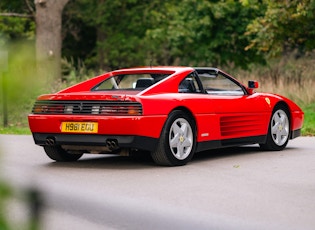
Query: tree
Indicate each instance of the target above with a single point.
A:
(15, 26)
(285, 26)
(119, 31)
(48, 20)
(187, 32)
(202, 33)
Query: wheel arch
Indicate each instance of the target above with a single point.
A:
(188, 112)
(287, 107)
(284, 104)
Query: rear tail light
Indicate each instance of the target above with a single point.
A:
(134, 111)
(37, 109)
(121, 110)
(113, 108)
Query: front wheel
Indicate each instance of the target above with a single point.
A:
(59, 154)
(279, 130)
(177, 141)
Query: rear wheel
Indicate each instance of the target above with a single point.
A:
(177, 141)
(279, 130)
(59, 154)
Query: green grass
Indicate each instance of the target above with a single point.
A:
(14, 130)
(309, 120)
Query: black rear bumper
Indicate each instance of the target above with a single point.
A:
(136, 142)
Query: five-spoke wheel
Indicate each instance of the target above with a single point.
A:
(177, 141)
(279, 129)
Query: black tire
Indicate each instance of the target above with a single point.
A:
(180, 130)
(57, 153)
(279, 129)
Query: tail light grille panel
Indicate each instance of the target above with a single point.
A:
(88, 107)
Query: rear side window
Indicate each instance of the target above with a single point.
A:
(189, 85)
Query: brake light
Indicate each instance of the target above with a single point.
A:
(133, 110)
(38, 109)
(120, 110)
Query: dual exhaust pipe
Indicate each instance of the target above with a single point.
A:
(112, 144)
(50, 141)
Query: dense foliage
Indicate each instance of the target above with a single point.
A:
(187, 32)
(111, 34)
(286, 26)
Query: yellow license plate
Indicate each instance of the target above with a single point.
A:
(79, 127)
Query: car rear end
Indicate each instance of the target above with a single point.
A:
(93, 119)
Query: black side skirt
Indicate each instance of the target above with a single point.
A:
(295, 133)
(216, 144)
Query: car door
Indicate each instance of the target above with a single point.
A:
(238, 113)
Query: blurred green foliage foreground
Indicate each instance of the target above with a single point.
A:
(19, 86)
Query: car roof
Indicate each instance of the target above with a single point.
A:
(207, 68)
(162, 68)
(165, 70)
(152, 69)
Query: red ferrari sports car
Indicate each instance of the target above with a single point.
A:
(171, 112)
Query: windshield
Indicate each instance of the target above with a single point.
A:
(130, 82)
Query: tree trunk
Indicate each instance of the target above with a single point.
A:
(48, 37)
(101, 52)
(100, 39)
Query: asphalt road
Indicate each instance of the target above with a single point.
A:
(236, 188)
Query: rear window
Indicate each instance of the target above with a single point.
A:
(130, 82)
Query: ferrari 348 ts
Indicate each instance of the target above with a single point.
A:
(171, 112)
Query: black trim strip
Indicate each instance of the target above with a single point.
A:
(138, 142)
(216, 144)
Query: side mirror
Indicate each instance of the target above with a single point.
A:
(252, 85)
